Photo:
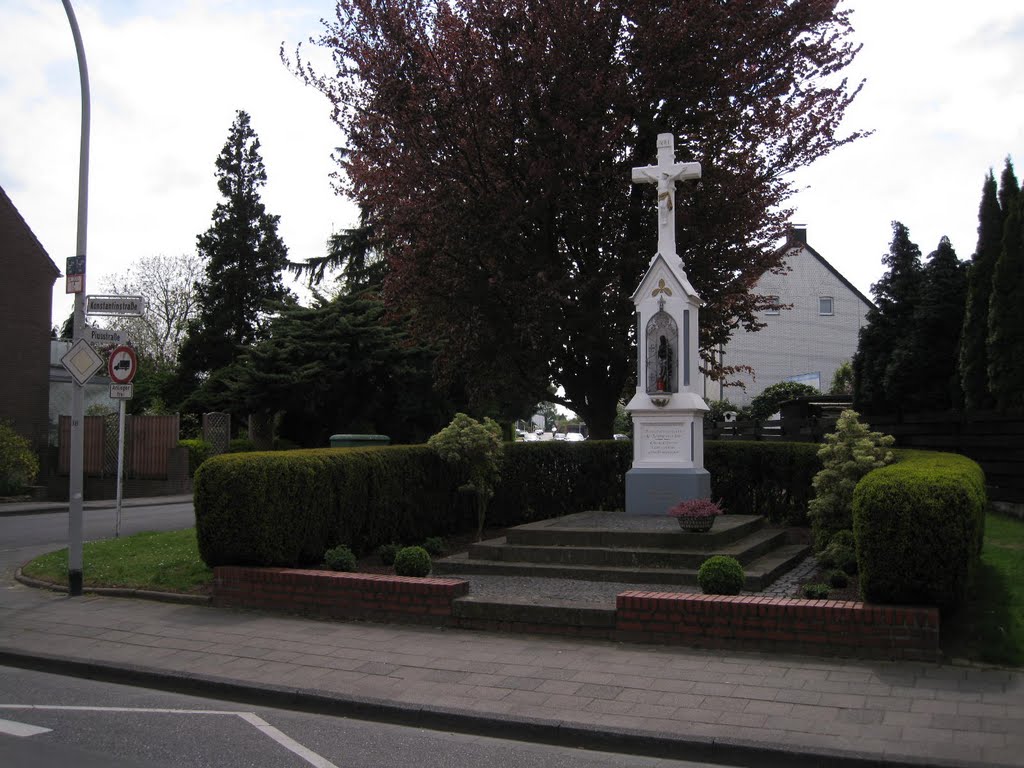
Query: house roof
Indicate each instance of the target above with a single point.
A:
(14, 225)
(824, 262)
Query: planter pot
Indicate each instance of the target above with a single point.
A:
(696, 524)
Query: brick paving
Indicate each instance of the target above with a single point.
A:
(646, 699)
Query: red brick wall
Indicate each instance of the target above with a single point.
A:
(333, 594)
(824, 627)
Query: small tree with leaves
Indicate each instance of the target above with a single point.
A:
(475, 449)
(849, 453)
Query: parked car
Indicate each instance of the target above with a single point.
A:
(574, 437)
(618, 436)
(559, 436)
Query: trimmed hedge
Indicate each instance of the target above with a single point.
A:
(288, 508)
(760, 478)
(919, 526)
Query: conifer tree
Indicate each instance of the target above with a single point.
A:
(888, 322)
(923, 369)
(974, 340)
(244, 260)
(1006, 310)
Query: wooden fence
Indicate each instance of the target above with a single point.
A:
(994, 440)
(147, 444)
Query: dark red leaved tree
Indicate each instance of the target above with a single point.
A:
(490, 144)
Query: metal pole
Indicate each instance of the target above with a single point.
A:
(75, 494)
(120, 464)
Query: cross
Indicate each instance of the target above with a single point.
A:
(665, 174)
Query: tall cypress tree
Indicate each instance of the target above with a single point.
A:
(888, 322)
(923, 369)
(1006, 309)
(974, 340)
(245, 258)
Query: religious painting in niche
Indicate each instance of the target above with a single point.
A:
(662, 339)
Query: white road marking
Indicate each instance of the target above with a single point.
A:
(251, 718)
(12, 728)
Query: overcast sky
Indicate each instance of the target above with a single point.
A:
(944, 95)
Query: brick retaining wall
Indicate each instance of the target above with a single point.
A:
(821, 627)
(337, 595)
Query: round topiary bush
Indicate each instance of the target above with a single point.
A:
(839, 556)
(340, 558)
(387, 553)
(721, 575)
(412, 561)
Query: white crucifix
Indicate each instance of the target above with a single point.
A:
(665, 174)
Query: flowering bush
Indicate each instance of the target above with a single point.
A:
(695, 508)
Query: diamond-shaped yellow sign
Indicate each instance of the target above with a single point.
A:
(82, 361)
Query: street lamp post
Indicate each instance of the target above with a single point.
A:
(75, 492)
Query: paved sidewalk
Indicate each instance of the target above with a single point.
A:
(739, 708)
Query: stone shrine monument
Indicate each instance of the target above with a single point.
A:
(667, 409)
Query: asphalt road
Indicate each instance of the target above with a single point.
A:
(50, 720)
(23, 537)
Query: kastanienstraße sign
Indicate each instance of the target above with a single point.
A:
(116, 306)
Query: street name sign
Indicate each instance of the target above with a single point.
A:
(81, 361)
(115, 306)
(103, 337)
(121, 391)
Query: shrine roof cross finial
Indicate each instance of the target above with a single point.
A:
(665, 174)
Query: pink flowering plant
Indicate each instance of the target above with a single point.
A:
(695, 508)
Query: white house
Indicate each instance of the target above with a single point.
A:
(805, 342)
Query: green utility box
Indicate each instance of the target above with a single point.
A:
(359, 441)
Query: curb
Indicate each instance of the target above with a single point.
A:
(145, 594)
(16, 509)
(724, 751)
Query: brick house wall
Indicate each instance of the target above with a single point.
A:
(800, 340)
(26, 296)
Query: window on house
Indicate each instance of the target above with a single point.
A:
(825, 305)
(772, 310)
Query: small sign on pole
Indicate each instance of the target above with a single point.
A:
(121, 391)
(115, 306)
(82, 361)
(103, 337)
(122, 365)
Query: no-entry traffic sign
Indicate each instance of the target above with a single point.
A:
(122, 365)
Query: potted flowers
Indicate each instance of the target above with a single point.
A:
(696, 515)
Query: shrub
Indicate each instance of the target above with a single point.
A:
(475, 450)
(761, 478)
(241, 445)
(198, 452)
(721, 575)
(340, 558)
(919, 525)
(435, 546)
(412, 561)
(765, 405)
(18, 464)
(839, 556)
(387, 553)
(816, 591)
(838, 579)
(844, 538)
(849, 453)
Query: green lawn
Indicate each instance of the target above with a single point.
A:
(990, 628)
(167, 562)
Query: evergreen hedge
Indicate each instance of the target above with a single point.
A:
(288, 508)
(919, 526)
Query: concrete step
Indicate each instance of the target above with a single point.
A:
(682, 553)
(760, 572)
(616, 530)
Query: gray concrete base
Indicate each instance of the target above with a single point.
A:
(653, 491)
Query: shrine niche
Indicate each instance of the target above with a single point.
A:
(662, 339)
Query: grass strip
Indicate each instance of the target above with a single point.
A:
(165, 562)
